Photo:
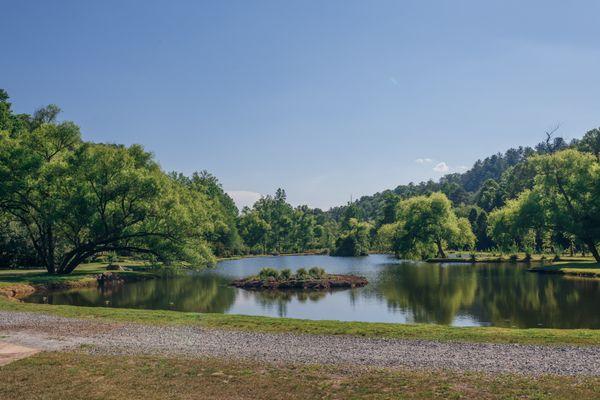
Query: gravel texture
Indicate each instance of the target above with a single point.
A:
(48, 332)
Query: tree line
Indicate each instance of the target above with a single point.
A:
(541, 199)
(64, 201)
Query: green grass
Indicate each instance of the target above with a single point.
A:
(75, 375)
(581, 268)
(83, 272)
(278, 325)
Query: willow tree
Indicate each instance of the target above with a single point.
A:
(75, 199)
(427, 225)
(566, 194)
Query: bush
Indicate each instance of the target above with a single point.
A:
(285, 274)
(316, 272)
(514, 258)
(112, 258)
(302, 275)
(267, 273)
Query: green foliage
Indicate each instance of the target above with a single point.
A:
(565, 197)
(384, 238)
(273, 226)
(268, 273)
(316, 272)
(302, 274)
(74, 199)
(427, 224)
(285, 274)
(591, 142)
(354, 239)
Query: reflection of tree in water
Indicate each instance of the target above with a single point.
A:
(529, 300)
(430, 292)
(499, 294)
(204, 293)
(279, 299)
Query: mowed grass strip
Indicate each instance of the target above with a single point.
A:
(289, 325)
(80, 376)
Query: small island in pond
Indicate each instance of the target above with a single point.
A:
(313, 279)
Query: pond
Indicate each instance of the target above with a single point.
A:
(398, 291)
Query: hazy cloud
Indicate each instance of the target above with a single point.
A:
(423, 160)
(244, 198)
(463, 168)
(441, 167)
(394, 81)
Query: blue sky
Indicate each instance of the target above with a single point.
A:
(327, 99)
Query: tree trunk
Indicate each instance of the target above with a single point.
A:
(441, 253)
(538, 241)
(50, 263)
(593, 249)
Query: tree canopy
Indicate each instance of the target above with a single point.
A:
(565, 198)
(427, 225)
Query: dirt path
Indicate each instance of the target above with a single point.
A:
(47, 332)
(10, 352)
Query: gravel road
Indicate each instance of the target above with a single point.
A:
(48, 332)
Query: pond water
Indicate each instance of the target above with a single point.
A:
(398, 291)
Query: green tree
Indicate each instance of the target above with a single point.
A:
(253, 229)
(591, 142)
(489, 196)
(427, 223)
(354, 240)
(77, 199)
(565, 198)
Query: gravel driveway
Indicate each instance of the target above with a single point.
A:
(46, 332)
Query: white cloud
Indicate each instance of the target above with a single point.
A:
(423, 160)
(244, 198)
(441, 167)
(463, 168)
(394, 81)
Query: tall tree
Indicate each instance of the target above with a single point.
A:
(428, 222)
(77, 199)
(565, 198)
(591, 142)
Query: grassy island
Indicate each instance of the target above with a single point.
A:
(313, 279)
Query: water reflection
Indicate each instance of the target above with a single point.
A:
(209, 293)
(430, 293)
(458, 294)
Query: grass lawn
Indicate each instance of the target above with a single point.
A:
(581, 268)
(80, 376)
(41, 277)
(366, 329)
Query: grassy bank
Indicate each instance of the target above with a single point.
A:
(587, 269)
(491, 257)
(278, 325)
(79, 376)
(84, 272)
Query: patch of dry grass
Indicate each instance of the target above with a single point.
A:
(80, 376)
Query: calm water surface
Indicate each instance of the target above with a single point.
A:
(398, 291)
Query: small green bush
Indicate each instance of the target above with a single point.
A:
(316, 272)
(285, 274)
(302, 274)
(267, 273)
(112, 258)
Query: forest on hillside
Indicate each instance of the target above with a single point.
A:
(64, 201)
